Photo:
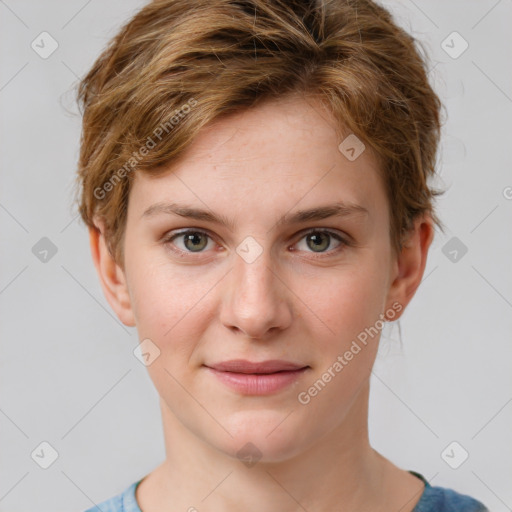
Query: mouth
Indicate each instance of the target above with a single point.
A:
(262, 367)
(257, 378)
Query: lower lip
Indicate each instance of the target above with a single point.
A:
(257, 384)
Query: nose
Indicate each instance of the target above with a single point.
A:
(257, 300)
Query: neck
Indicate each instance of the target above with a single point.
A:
(341, 467)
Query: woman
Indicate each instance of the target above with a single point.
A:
(254, 176)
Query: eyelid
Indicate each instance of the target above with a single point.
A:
(344, 237)
(345, 240)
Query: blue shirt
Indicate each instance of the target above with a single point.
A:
(433, 499)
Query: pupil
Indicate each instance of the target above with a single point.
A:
(193, 237)
(317, 241)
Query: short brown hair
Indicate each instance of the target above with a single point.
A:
(179, 64)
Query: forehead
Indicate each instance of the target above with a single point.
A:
(287, 128)
(279, 154)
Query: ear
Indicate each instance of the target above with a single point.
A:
(112, 277)
(410, 264)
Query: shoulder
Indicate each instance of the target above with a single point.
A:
(123, 502)
(440, 499)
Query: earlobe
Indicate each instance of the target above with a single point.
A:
(411, 262)
(112, 277)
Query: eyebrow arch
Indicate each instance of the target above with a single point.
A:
(339, 209)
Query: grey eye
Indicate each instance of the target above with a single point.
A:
(193, 240)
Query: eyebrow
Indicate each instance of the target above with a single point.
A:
(339, 209)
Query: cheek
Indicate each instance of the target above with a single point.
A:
(170, 304)
(154, 289)
(349, 306)
(343, 303)
(170, 311)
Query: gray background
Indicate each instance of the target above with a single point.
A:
(68, 375)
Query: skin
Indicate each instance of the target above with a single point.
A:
(209, 305)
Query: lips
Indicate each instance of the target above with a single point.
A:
(263, 367)
(257, 378)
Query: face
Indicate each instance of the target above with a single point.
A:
(263, 282)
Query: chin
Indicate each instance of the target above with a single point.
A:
(265, 436)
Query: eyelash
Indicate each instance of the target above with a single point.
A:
(170, 237)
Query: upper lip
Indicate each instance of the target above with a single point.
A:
(243, 366)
